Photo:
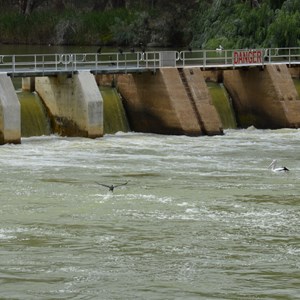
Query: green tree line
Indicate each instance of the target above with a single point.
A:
(204, 24)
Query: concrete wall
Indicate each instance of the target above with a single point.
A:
(210, 121)
(295, 72)
(10, 115)
(28, 84)
(213, 75)
(74, 104)
(105, 80)
(160, 103)
(264, 98)
(150, 107)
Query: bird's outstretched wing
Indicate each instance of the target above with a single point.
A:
(108, 186)
(121, 184)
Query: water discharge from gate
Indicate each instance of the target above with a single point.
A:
(114, 114)
(223, 105)
(34, 118)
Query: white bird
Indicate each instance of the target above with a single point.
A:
(220, 48)
(274, 168)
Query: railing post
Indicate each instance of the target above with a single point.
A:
(96, 62)
(154, 61)
(14, 61)
(43, 63)
(182, 55)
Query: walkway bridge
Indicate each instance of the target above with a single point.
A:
(31, 65)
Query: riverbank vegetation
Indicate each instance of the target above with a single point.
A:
(130, 23)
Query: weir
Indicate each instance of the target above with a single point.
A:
(166, 94)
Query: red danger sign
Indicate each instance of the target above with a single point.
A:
(248, 57)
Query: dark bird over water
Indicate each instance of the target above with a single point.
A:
(112, 187)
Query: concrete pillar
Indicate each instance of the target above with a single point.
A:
(210, 120)
(10, 112)
(74, 104)
(264, 98)
(171, 101)
(158, 103)
(28, 84)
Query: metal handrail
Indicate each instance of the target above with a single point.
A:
(149, 60)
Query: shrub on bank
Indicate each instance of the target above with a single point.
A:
(69, 27)
(203, 24)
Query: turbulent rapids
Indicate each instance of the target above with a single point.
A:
(196, 212)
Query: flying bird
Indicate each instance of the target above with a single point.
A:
(276, 169)
(112, 186)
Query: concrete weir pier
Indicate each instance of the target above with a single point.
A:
(10, 121)
(264, 98)
(171, 101)
(74, 103)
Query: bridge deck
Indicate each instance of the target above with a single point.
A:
(132, 62)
